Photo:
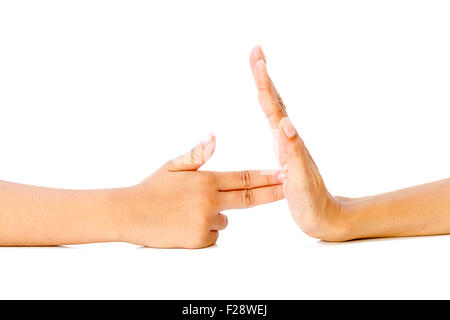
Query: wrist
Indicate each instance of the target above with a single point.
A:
(119, 206)
(133, 211)
(339, 216)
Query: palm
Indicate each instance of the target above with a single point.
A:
(312, 207)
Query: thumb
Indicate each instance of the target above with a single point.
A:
(293, 147)
(195, 158)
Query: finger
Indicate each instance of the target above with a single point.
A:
(247, 198)
(206, 240)
(195, 158)
(212, 238)
(268, 97)
(220, 222)
(282, 158)
(256, 54)
(272, 105)
(294, 149)
(246, 179)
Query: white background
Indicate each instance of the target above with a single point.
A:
(101, 93)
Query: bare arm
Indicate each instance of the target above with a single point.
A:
(32, 215)
(175, 207)
(419, 210)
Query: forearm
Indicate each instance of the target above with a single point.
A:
(420, 210)
(32, 215)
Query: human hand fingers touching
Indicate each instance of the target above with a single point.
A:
(245, 189)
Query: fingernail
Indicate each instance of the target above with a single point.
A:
(283, 173)
(207, 140)
(288, 128)
(282, 176)
(261, 53)
(261, 65)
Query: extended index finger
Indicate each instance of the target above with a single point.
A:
(246, 179)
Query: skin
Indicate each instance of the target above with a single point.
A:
(415, 211)
(176, 207)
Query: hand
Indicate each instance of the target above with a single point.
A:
(179, 207)
(315, 211)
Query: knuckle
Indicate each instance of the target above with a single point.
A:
(279, 101)
(206, 180)
(276, 193)
(270, 179)
(209, 202)
(191, 158)
(248, 198)
(282, 109)
(210, 179)
(271, 113)
(280, 104)
(264, 88)
(245, 178)
(196, 155)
